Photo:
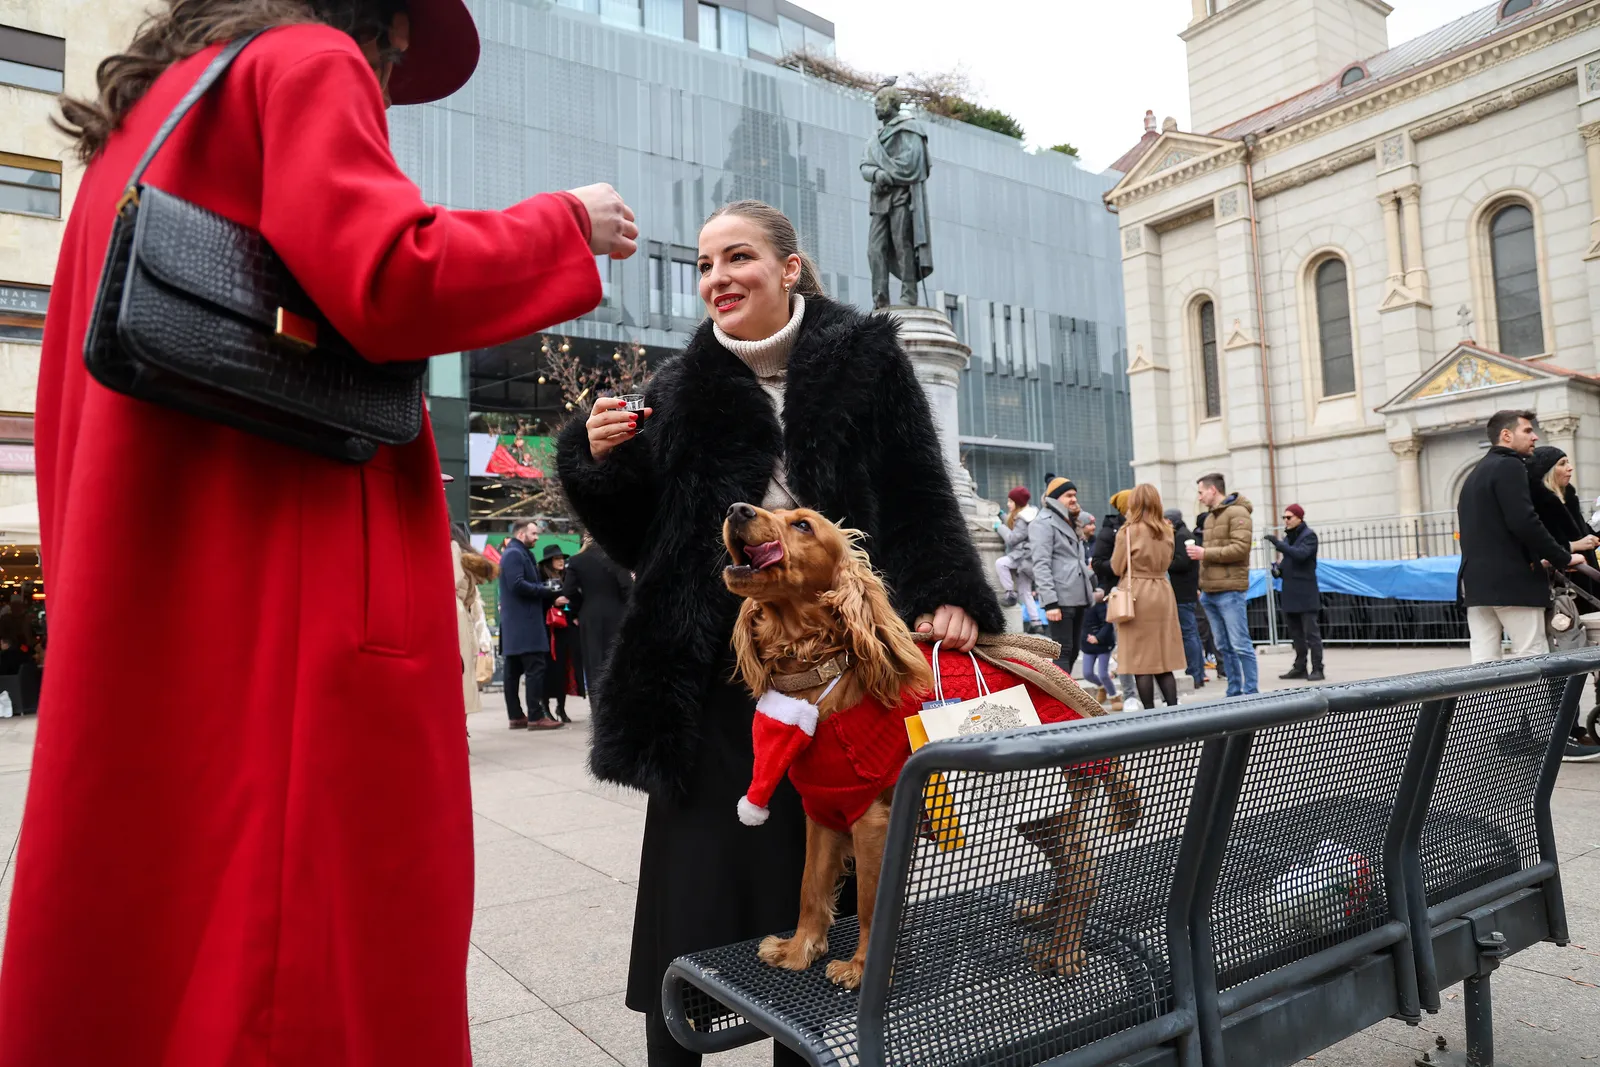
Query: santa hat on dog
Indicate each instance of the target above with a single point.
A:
(782, 728)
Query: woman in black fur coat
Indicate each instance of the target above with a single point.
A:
(855, 441)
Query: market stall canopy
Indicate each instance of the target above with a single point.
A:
(19, 523)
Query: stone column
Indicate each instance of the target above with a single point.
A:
(1391, 232)
(1562, 431)
(938, 360)
(1416, 272)
(1591, 143)
(1408, 472)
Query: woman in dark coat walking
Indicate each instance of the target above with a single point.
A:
(1300, 599)
(559, 675)
(599, 589)
(779, 399)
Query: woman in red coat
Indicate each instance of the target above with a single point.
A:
(248, 838)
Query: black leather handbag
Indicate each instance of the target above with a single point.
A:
(198, 314)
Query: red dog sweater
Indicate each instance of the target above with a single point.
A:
(840, 765)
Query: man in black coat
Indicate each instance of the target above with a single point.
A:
(1184, 574)
(1300, 599)
(1504, 546)
(599, 589)
(524, 641)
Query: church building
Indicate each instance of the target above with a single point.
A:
(1364, 252)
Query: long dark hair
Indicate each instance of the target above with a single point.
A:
(187, 27)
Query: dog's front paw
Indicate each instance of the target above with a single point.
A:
(790, 953)
(846, 973)
(1032, 911)
(1047, 958)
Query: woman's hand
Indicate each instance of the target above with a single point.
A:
(1584, 544)
(951, 625)
(610, 425)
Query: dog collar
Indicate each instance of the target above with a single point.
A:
(829, 670)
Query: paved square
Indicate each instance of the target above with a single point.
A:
(557, 863)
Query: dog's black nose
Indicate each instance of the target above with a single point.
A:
(741, 512)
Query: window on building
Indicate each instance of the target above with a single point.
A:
(818, 43)
(658, 283)
(1515, 262)
(733, 33)
(621, 13)
(590, 6)
(664, 18)
(1351, 76)
(30, 186)
(32, 60)
(764, 38)
(958, 321)
(1515, 7)
(685, 290)
(1011, 359)
(22, 309)
(710, 39)
(791, 35)
(603, 265)
(1335, 348)
(1210, 373)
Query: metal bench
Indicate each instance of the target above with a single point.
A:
(1212, 938)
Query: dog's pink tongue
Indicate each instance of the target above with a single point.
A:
(763, 556)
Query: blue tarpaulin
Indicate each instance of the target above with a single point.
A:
(1428, 578)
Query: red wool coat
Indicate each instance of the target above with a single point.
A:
(248, 837)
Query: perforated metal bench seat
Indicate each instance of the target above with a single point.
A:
(1220, 932)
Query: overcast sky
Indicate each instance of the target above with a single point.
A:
(1079, 71)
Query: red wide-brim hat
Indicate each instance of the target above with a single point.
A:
(442, 55)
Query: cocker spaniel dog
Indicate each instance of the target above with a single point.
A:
(831, 664)
(836, 673)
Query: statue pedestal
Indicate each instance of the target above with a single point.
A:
(938, 359)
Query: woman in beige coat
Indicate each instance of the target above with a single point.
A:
(472, 628)
(1150, 645)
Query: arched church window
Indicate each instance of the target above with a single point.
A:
(1514, 7)
(1513, 257)
(1351, 76)
(1336, 351)
(1209, 371)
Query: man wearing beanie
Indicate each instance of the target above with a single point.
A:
(1059, 572)
(1300, 599)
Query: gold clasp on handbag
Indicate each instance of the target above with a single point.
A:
(129, 196)
(296, 329)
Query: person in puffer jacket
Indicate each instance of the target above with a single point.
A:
(1015, 568)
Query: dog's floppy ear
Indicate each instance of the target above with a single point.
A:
(888, 661)
(757, 675)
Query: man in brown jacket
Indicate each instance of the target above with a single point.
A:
(1224, 577)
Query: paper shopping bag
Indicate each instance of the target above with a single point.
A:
(950, 799)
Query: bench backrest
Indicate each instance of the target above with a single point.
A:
(1271, 831)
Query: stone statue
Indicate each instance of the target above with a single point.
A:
(896, 166)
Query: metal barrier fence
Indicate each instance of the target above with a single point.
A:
(1356, 620)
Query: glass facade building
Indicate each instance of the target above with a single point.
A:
(680, 105)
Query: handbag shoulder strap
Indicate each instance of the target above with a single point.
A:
(208, 77)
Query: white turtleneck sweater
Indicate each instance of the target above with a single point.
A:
(769, 360)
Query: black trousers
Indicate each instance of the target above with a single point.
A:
(1305, 632)
(529, 666)
(1068, 633)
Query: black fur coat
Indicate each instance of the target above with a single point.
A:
(860, 447)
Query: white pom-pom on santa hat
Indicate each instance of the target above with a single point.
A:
(782, 728)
